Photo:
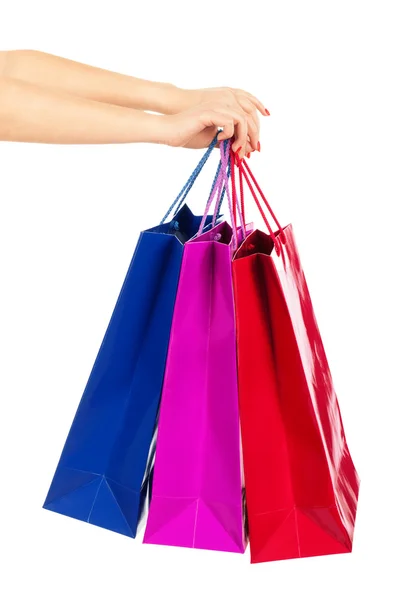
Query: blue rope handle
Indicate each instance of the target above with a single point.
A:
(180, 199)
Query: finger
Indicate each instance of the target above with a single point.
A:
(253, 132)
(218, 119)
(240, 131)
(253, 126)
(256, 120)
(240, 138)
(249, 147)
(228, 131)
(202, 139)
(253, 120)
(259, 105)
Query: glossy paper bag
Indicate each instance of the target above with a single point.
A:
(197, 488)
(102, 475)
(301, 484)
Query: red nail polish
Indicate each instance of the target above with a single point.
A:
(259, 147)
(248, 155)
(238, 150)
(267, 112)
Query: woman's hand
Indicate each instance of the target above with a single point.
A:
(83, 82)
(229, 99)
(196, 127)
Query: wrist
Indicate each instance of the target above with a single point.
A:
(185, 99)
(176, 100)
(154, 128)
(166, 99)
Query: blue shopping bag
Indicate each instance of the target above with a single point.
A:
(104, 471)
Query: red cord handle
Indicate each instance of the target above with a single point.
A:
(242, 196)
(243, 170)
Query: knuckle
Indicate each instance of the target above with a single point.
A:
(229, 95)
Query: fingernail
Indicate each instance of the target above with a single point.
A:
(259, 147)
(248, 155)
(238, 150)
(267, 112)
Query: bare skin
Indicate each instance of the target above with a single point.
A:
(48, 99)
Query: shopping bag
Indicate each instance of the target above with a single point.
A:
(301, 484)
(197, 488)
(104, 471)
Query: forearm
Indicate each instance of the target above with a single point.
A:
(94, 83)
(29, 113)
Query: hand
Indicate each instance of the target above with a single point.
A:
(229, 98)
(196, 127)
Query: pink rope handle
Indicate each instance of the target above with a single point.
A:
(217, 189)
(224, 166)
(224, 162)
(238, 205)
(242, 195)
(216, 192)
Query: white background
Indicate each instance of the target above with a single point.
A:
(337, 161)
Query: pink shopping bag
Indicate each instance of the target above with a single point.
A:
(197, 488)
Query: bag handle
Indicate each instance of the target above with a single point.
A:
(225, 157)
(223, 191)
(180, 199)
(244, 169)
(234, 205)
(221, 188)
(224, 176)
(238, 206)
(218, 189)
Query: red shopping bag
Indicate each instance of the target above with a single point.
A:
(301, 484)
